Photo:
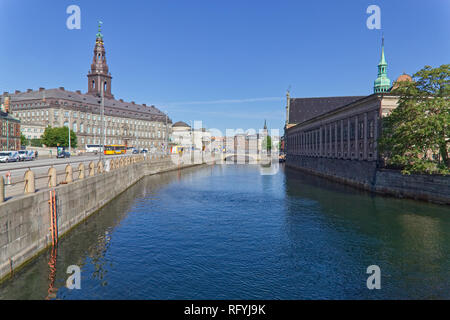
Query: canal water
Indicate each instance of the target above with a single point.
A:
(229, 232)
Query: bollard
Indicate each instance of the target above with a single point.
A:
(81, 171)
(117, 164)
(30, 186)
(121, 163)
(100, 167)
(110, 165)
(91, 169)
(52, 178)
(8, 178)
(69, 174)
(2, 189)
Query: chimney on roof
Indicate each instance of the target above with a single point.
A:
(78, 91)
(17, 91)
(41, 89)
(61, 88)
(29, 90)
(5, 93)
(132, 102)
(144, 104)
(121, 100)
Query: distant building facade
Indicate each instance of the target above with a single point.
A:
(124, 123)
(9, 132)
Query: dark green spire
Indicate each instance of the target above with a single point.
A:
(99, 34)
(382, 83)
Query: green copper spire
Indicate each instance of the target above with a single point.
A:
(382, 83)
(99, 34)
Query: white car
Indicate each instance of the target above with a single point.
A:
(26, 155)
(9, 156)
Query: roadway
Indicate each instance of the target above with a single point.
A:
(40, 168)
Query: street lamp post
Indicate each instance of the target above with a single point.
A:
(167, 138)
(69, 130)
(102, 126)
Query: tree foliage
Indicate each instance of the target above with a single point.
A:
(54, 137)
(267, 143)
(415, 135)
(23, 140)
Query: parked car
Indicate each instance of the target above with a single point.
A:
(135, 151)
(32, 154)
(9, 156)
(4, 157)
(63, 154)
(26, 155)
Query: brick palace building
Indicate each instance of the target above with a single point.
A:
(128, 123)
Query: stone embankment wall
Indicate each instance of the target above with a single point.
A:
(25, 220)
(366, 175)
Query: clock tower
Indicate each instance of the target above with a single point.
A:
(99, 77)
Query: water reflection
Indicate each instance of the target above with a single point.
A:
(353, 229)
(228, 232)
(86, 245)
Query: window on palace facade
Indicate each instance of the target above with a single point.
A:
(371, 129)
(361, 130)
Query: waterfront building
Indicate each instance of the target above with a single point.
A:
(9, 132)
(127, 123)
(183, 135)
(346, 127)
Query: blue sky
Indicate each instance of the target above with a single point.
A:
(227, 63)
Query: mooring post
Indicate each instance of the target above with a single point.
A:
(69, 174)
(91, 169)
(29, 182)
(52, 177)
(81, 171)
(100, 167)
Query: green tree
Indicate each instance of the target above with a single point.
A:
(415, 135)
(267, 143)
(54, 137)
(23, 140)
(36, 142)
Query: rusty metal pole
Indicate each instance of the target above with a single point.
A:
(2, 189)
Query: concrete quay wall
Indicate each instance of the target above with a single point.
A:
(366, 175)
(25, 220)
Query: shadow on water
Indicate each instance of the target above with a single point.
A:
(88, 242)
(352, 229)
